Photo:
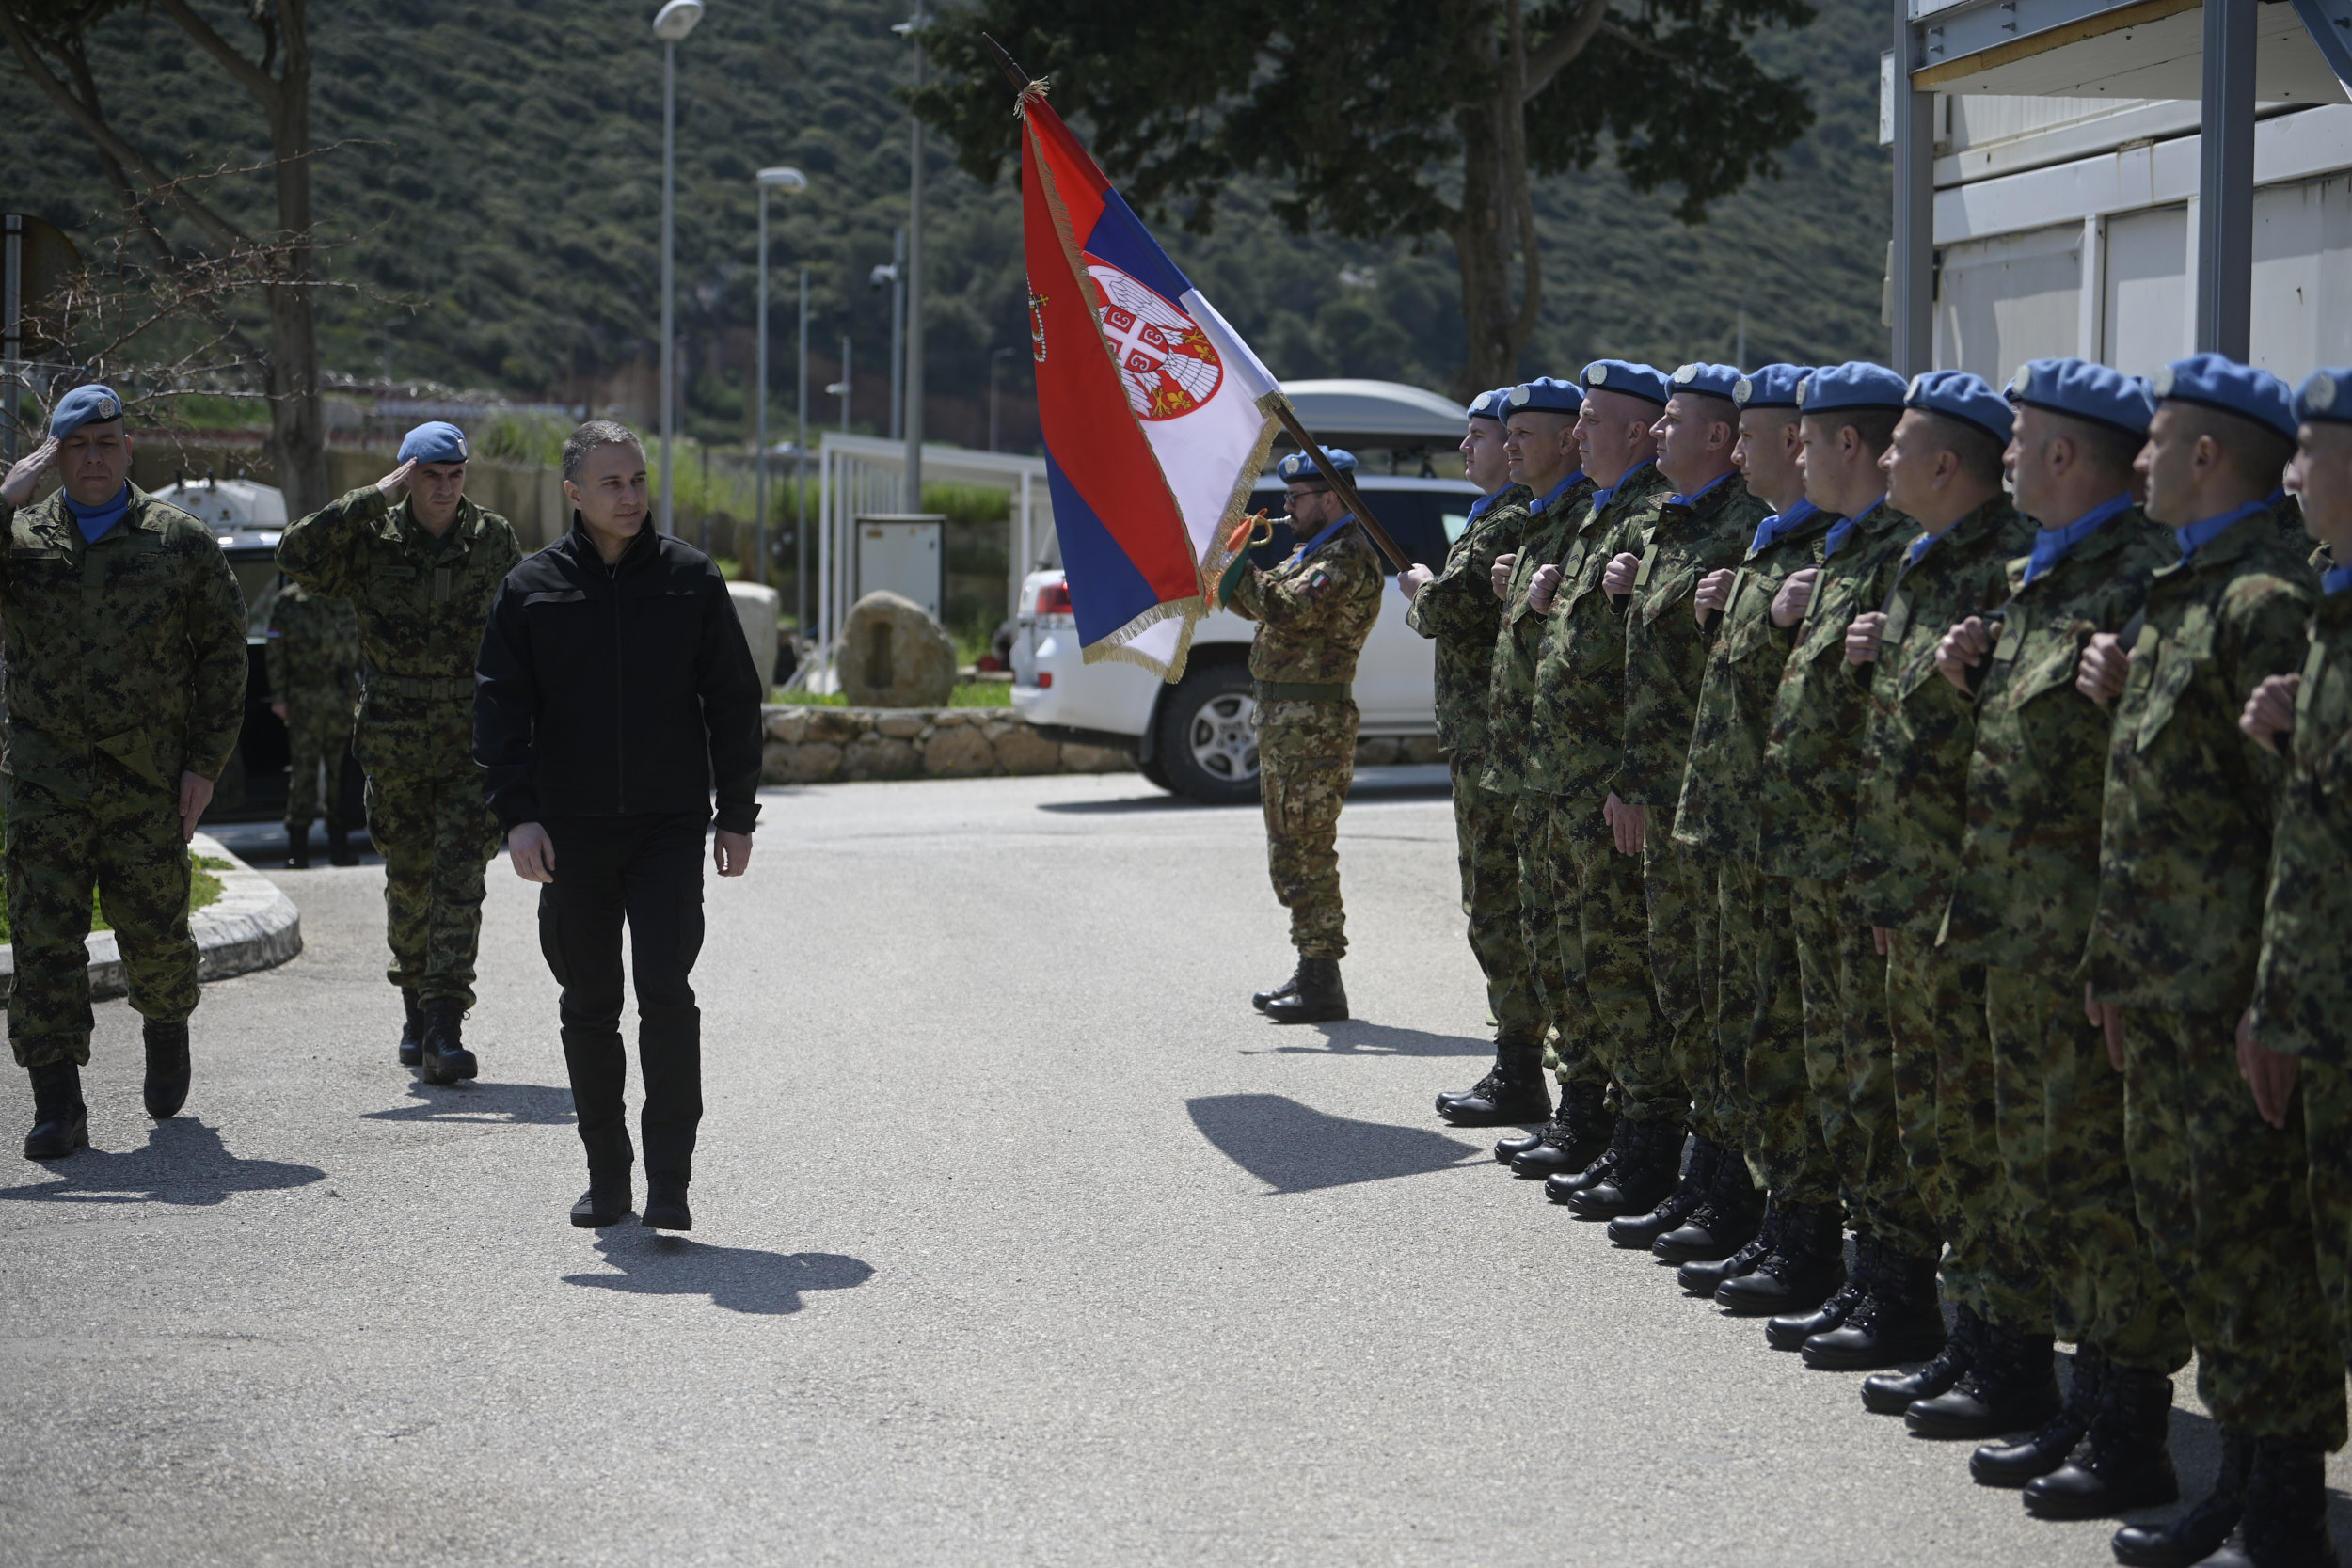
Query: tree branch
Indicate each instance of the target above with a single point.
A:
(1548, 58)
(1636, 41)
(260, 83)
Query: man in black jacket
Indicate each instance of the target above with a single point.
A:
(615, 692)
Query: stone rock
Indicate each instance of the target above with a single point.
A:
(788, 724)
(902, 726)
(958, 752)
(1077, 758)
(880, 758)
(1376, 751)
(947, 717)
(1421, 749)
(1022, 750)
(834, 725)
(812, 762)
(893, 655)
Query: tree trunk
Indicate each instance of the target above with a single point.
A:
(297, 423)
(1497, 219)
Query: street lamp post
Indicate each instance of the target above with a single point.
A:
(768, 180)
(671, 24)
(995, 359)
(913, 29)
(800, 476)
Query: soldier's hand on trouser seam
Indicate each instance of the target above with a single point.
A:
(195, 793)
(2270, 1073)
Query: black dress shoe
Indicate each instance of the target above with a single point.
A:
(1801, 1270)
(60, 1120)
(2199, 1533)
(665, 1203)
(2014, 1465)
(1703, 1278)
(1319, 999)
(1649, 1161)
(2284, 1523)
(2126, 1459)
(1638, 1232)
(1898, 1320)
(1893, 1393)
(339, 851)
(444, 1058)
(1288, 987)
(2012, 1385)
(1726, 1220)
(606, 1201)
(412, 1035)
(298, 849)
(168, 1067)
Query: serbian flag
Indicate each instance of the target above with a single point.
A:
(1156, 415)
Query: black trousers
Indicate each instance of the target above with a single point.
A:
(647, 870)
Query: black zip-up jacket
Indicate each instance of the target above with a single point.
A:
(612, 690)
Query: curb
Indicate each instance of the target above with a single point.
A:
(251, 926)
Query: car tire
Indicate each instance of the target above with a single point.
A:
(1208, 741)
(1155, 774)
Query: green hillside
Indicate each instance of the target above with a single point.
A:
(494, 212)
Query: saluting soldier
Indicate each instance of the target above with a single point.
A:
(312, 657)
(126, 687)
(1313, 612)
(1456, 607)
(2184, 852)
(421, 573)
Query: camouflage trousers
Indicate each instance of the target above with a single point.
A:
(1944, 1108)
(2059, 1109)
(2327, 1097)
(2224, 1197)
(1676, 882)
(1490, 897)
(436, 833)
(1306, 760)
(123, 841)
(1850, 1066)
(1761, 1036)
(1568, 1052)
(317, 734)
(1603, 922)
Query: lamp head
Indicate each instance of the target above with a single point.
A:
(783, 178)
(676, 19)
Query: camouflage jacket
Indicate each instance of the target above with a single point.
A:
(313, 655)
(1665, 647)
(1457, 609)
(2186, 813)
(1813, 755)
(2302, 1000)
(422, 603)
(1718, 812)
(1313, 612)
(1910, 801)
(131, 646)
(2029, 865)
(1518, 639)
(1578, 739)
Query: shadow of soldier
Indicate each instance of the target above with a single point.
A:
(1297, 1149)
(185, 1162)
(741, 1279)
(1353, 1036)
(473, 1100)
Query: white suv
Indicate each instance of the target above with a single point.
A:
(1199, 736)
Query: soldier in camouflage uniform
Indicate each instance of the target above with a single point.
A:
(2185, 842)
(1708, 523)
(1456, 607)
(312, 657)
(1716, 816)
(2021, 906)
(126, 692)
(421, 574)
(1313, 612)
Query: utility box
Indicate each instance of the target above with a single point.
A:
(906, 554)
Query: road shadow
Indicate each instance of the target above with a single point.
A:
(488, 1104)
(741, 1279)
(1353, 1036)
(1297, 1149)
(1133, 803)
(184, 1164)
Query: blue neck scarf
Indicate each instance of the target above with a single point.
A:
(2053, 544)
(2197, 535)
(1318, 541)
(1544, 503)
(1485, 503)
(1686, 501)
(1780, 524)
(1843, 528)
(2335, 580)
(95, 521)
(1602, 498)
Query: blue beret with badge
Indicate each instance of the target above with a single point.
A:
(2083, 390)
(435, 441)
(1495, 405)
(1970, 399)
(1546, 395)
(2327, 395)
(1714, 380)
(1619, 375)
(1855, 383)
(1299, 469)
(1769, 386)
(91, 404)
(2222, 383)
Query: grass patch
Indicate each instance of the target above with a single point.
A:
(203, 888)
(966, 694)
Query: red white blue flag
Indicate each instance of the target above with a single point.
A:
(1156, 416)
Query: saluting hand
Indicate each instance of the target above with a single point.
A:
(1963, 649)
(1542, 586)
(1795, 597)
(1500, 576)
(2269, 1073)
(2270, 711)
(2105, 665)
(1618, 580)
(26, 475)
(1862, 638)
(391, 483)
(532, 851)
(1714, 594)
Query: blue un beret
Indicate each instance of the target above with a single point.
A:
(1770, 386)
(2235, 388)
(1714, 380)
(435, 441)
(1545, 395)
(1634, 381)
(91, 404)
(1299, 469)
(2327, 395)
(1970, 399)
(1855, 383)
(2081, 390)
(1491, 405)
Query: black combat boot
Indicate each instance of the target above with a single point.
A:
(2200, 1533)
(412, 1035)
(1514, 1092)
(2015, 1465)
(1649, 1161)
(1319, 999)
(1892, 1393)
(60, 1120)
(1638, 1231)
(2010, 1386)
(1576, 1138)
(168, 1067)
(608, 1199)
(2284, 1523)
(1802, 1270)
(666, 1201)
(1512, 1144)
(1288, 987)
(444, 1056)
(1726, 1220)
(1790, 1330)
(2126, 1459)
(298, 847)
(1897, 1319)
(339, 850)
(1704, 1277)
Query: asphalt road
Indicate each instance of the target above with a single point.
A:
(1020, 1239)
